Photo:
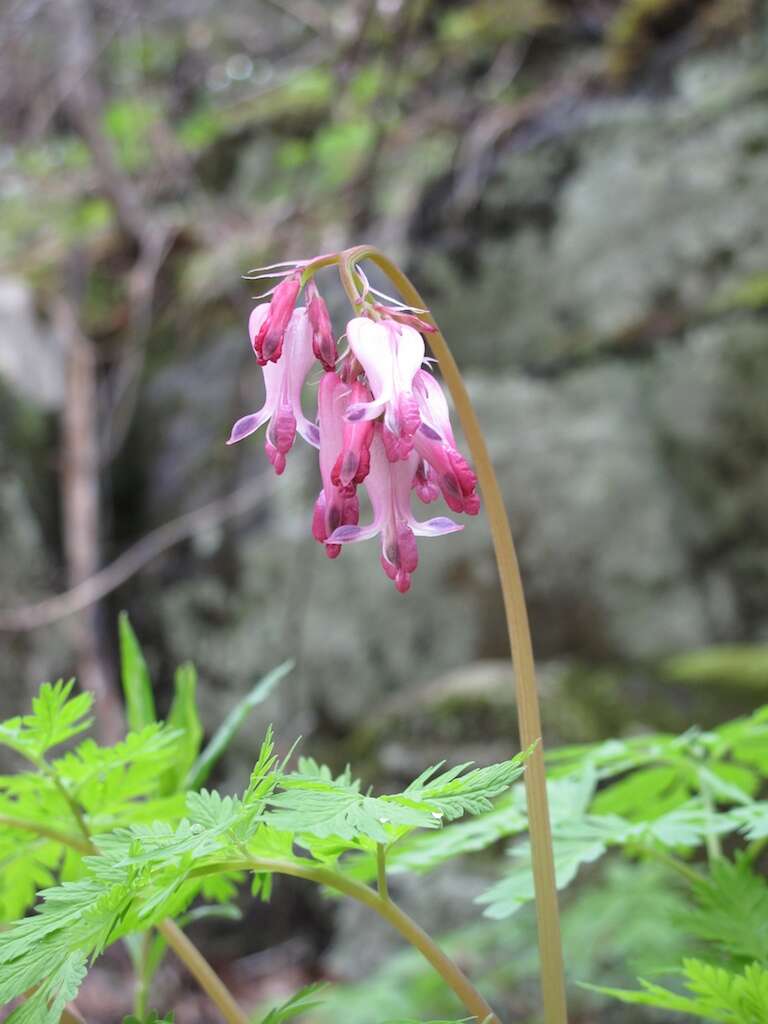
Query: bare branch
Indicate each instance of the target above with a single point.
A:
(144, 551)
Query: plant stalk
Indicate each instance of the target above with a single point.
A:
(202, 972)
(529, 719)
(381, 871)
(42, 830)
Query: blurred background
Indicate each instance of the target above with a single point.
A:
(580, 189)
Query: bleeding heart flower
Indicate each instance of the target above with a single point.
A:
(389, 488)
(268, 336)
(283, 381)
(390, 353)
(435, 443)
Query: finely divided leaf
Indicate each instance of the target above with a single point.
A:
(56, 717)
(184, 718)
(732, 911)
(303, 1001)
(715, 994)
(453, 794)
(325, 810)
(134, 674)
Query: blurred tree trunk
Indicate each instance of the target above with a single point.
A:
(80, 502)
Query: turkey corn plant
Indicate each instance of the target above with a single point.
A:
(116, 843)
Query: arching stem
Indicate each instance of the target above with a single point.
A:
(550, 946)
(451, 974)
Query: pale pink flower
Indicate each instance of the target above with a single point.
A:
(389, 488)
(435, 443)
(267, 339)
(390, 353)
(283, 381)
(334, 506)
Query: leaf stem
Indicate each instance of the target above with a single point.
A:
(688, 873)
(141, 992)
(711, 838)
(381, 871)
(451, 974)
(550, 945)
(754, 849)
(39, 829)
(202, 972)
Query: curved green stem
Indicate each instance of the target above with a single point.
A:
(40, 829)
(385, 908)
(550, 946)
(202, 972)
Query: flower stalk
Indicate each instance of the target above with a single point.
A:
(529, 718)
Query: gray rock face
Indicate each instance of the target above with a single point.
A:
(646, 209)
(31, 361)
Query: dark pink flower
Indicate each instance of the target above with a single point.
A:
(283, 381)
(267, 339)
(435, 443)
(323, 341)
(389, 488)
(390, 354)
(335, 506)
(354, 460)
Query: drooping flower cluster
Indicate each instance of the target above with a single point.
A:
(382, 421)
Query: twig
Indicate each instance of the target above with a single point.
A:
(144, 551)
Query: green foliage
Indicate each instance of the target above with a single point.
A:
(730, 916)
(128, 123)
(306, 999)
(55, 719)
(154, 852)
(116, 839)
(727, 664)
(731, 912)
(137, 685)
(715, 994)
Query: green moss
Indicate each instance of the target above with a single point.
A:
(739, 665)
(750, 293)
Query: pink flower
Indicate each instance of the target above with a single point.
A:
(354, 460)
(435, 443)
(389, 488)
(390, 354)
(334, 506)
(267, 338)
(283, 381)
(425, 482)
(323, 341)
